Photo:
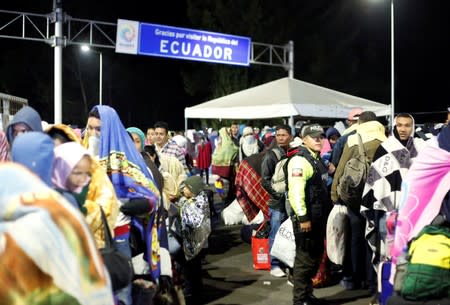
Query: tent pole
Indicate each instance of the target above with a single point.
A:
(291, 123)
(185, 126)
(291, 59)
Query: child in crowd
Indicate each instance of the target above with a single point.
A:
(72, 169)
(195, 230)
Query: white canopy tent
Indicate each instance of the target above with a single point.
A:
(285, 97)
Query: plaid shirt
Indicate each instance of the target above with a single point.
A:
(252, 197)
(171, 148)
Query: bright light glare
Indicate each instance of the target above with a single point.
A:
(85, 48)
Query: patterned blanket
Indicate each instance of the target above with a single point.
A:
(381, 194)
(47, 253)
(423, 191)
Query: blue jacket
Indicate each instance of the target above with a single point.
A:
(34, 150)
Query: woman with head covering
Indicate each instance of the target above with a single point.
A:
(224, 161)
(249, 144)
(100, 191)
(332, 135)
(132, 182)
(72, 169)
(25, 120)
(139, 140)
(48, 254)
(224, 155)
(35, 150)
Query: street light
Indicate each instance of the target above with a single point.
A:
(86, 48)
(392, 63)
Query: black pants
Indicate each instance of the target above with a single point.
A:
(309, 249)
(192, 274)
(206, 171)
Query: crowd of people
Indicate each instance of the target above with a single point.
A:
(317, 163)
(154, 190)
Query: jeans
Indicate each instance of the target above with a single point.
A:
(355, 262)
(123, 245)
(276, 219)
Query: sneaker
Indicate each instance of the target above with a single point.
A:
(277, 272)
(347, 283)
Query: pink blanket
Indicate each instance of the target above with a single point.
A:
(424, 188)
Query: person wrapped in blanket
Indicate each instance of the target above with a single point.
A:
(97, 192)
(107, 139)
(194, 216)
(424, 198)
(224, 160)
(47, 253)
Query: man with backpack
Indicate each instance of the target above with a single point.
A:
(371, 134)
(308, 196)
(352, 123)
(276, 203)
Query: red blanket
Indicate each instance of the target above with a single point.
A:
(252, 197)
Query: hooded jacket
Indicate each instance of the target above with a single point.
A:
(28, 116)
(35, 150)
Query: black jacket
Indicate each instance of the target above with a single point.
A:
(277, 200)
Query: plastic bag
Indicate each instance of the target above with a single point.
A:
(337, 228)
(232, 214)
(283, 246)
(260, 248)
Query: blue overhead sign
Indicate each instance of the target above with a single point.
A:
(181, 43)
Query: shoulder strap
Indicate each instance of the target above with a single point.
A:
(362, 150)
(109, 243)
(277, 153)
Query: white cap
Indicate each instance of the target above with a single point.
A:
(296, 142)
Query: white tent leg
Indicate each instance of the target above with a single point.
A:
(291, 123)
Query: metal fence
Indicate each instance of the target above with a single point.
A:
(9, 105)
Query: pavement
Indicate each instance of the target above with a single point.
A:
(229, 277)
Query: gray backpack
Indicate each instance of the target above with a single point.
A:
(351, 184)
(278, 181)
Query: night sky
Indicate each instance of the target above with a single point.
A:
(145, 89)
